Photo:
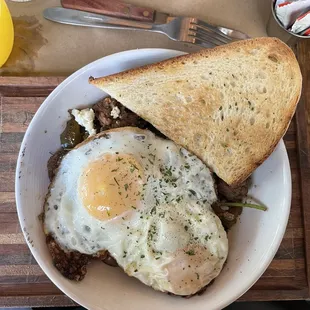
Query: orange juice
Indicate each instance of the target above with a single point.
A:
(6, 33)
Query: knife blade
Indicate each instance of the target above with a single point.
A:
(86, 19)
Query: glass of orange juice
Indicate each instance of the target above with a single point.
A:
(6, 33)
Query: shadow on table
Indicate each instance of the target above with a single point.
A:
(273, 305)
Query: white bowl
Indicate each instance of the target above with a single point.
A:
(254, 240)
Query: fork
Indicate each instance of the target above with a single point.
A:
(195, 31)
(182, 29)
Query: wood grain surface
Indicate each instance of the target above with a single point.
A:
(111, 8)
(23, 283)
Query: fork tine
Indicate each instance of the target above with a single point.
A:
(214, 29)
(207, 37)
(202, 41)
(210, 36)
(213, 34)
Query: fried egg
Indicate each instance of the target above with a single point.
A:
(144, 199)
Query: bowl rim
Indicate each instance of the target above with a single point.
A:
(174, 53)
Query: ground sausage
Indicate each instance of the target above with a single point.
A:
(54, 162)
(233, 194)
(110, 260)
(227, 215)
(72, 265)
(103, 110)
(105, 121)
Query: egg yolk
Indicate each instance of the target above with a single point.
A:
(111, 185)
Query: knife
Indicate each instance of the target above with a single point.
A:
(116, 8)
(86, 19)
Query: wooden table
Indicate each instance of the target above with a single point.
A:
(23, 283)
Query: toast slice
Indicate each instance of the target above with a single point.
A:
(229, 105)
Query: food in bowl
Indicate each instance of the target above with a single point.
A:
(138, 231)
(147, 202)
(137, 174)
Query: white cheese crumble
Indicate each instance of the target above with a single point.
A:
(85, 118)
(115, 112)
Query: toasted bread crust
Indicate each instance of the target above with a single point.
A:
(265, 86)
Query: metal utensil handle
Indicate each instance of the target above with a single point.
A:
(111, 8)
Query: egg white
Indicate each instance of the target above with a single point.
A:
(172, 241)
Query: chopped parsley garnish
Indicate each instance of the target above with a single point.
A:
(142, 256)
(186, 228)
(167, 172)
(119, 158)
(133, 167)
(207, 237)
(178, 199)
(152, 232)
(192, 192)
(126, 186)
(186, 166)
(190, 252)
(114, 170)
(162, 214)
(134, 207)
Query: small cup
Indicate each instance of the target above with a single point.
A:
(6, 33)
(275, 29)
